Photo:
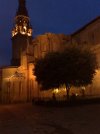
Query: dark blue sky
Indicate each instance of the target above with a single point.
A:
(57, 16)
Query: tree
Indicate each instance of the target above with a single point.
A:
(46, 71)
(79, 67)
(73, 67)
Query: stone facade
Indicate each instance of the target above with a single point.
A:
(18, 83)
(89, 36)
(48, 42)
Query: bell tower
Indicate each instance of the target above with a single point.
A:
(21, 33)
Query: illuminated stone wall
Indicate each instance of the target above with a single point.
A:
(89, 36)
(48, 42)
(9, 85)
(86, 36)
(44, 44)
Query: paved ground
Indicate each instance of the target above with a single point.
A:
(28, 119)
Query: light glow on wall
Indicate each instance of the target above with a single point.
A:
(56, 91)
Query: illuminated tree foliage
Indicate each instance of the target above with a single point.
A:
(73, 67)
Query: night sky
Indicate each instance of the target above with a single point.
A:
(57, 16)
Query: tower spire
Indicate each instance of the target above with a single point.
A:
(22, 21)
(22, 2)
(22, 8)
(21, 32)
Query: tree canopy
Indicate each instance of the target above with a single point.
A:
(73, 67)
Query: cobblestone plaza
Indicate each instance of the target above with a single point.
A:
(29, 119)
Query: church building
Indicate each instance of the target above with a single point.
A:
(17, 81)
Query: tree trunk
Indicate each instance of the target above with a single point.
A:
(67, 91)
